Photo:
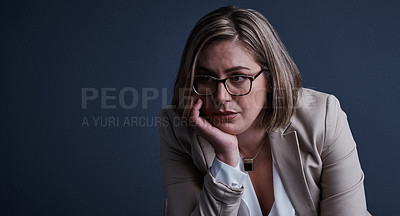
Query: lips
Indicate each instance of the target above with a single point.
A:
(225, 115)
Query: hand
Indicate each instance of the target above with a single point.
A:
(225, 145)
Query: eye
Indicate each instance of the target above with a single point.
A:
(237, 78)
(204, 78)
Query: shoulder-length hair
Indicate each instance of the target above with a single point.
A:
(253, 31)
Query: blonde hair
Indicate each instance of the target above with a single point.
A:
(256, 34)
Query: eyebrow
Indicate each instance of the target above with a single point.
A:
(226, 71)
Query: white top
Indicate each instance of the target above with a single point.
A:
(249, 206)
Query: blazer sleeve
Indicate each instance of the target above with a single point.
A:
(342, 187)
(188, 191)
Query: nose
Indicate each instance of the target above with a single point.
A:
(222, 95)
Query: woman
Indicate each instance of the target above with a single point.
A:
(243, 138)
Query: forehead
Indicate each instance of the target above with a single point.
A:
(226, 54)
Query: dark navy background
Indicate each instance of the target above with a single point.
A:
(50, 50)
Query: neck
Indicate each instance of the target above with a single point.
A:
(250, 141)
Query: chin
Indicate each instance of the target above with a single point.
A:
(230, 128)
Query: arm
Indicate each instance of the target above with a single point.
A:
(188, 191)
(342, 187)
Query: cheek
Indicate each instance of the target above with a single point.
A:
(255, 100)
(260, 98)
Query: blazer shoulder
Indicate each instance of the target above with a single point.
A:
(315, 115)
(314, 105)
(311, 107)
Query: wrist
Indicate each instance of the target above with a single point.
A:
(230, 158)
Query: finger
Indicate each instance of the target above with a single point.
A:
(193, 100)
(195, 113)
(196, 107)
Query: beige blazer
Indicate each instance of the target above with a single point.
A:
(315, 154)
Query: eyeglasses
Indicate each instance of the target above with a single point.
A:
(237, 85)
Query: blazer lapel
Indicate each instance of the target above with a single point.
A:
(286, 152)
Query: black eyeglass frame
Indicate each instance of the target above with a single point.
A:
(251, 78)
